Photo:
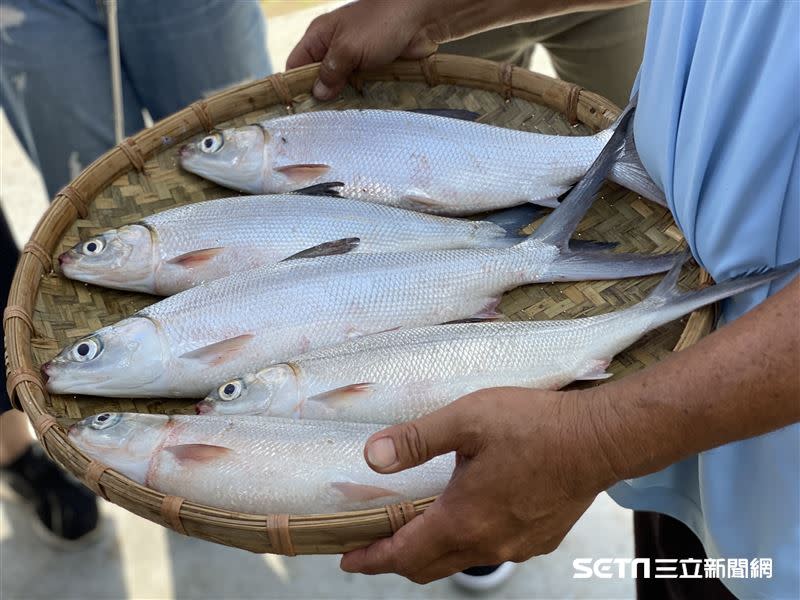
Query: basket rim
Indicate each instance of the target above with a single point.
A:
(25, 386)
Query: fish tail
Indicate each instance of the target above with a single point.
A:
(593, 264)
(558, 227)
(575, 262)
(672, 304)
(629, 172)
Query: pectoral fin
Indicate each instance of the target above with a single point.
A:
(596, 371)
(304, 173)
(421, 203)
(199, 453)
(487, 313)
(342, 246)
(356, 492)
(195, 258)
(220, 352)
(344, 396)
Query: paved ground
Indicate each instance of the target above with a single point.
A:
(138, 559)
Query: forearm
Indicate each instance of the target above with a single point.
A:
(454, 19)
(741, 381)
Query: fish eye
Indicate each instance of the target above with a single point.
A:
(104, 420)
(85, 350)
(211, 143)
(230, 391)
(93, 247)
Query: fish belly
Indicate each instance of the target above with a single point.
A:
(279, 466)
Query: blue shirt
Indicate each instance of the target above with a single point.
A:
(718, 128)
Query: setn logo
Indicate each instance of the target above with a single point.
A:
(607, 568)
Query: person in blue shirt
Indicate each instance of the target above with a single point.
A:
(708, 439)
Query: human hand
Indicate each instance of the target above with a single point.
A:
(363, 35)
(529, 463)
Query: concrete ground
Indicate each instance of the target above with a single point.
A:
(138, 559)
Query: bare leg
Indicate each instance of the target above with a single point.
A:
(15, 436)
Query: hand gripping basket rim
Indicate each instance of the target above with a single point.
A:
(280, 534)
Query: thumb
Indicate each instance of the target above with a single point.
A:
(410, 444)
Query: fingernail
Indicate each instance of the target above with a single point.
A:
(321, 90)
(381, 453)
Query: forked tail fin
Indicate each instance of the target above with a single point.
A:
(574, 263)
(672, 304)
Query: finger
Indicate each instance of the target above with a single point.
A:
(415, 442)
(341, 59)
(414, 545)
(420, 46)
(311, 48)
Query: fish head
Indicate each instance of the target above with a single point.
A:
(234, 158)
(120, 258)
(125, 442)
(122, 358)
(273, 391)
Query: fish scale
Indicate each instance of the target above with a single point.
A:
(241, 222)
(347, 296)
(256, 465)
(407, 159)
(402, 375)
(248, 232)
(186, 344)
(474, 163)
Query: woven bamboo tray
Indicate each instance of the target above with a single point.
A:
(140, 176)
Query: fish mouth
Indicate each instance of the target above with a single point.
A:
(185, 151)
(65, 259)
(203, 407)
(44, 370)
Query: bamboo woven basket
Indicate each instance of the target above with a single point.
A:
(45, 311)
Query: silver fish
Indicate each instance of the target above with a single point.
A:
(418, 161)
(253, 465)
(399, 376)
(180, 248)
(188, 343)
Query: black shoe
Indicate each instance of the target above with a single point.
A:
(65, 509)
(484, 579)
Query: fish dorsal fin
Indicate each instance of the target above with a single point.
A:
(198, 453)
(195, 258)
(344, 396)
(342, 246)
(219, 352)
(329, 188)
(357, 492)
(303, 173)
(450, 113)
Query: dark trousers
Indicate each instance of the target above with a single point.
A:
(8, 262)
(660, 536)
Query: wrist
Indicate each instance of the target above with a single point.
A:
(636, 433)
(583, 436)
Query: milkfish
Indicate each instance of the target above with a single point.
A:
(180, 248)
(399, 376)
(253, 465)
(185, 345)
(424, 162)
